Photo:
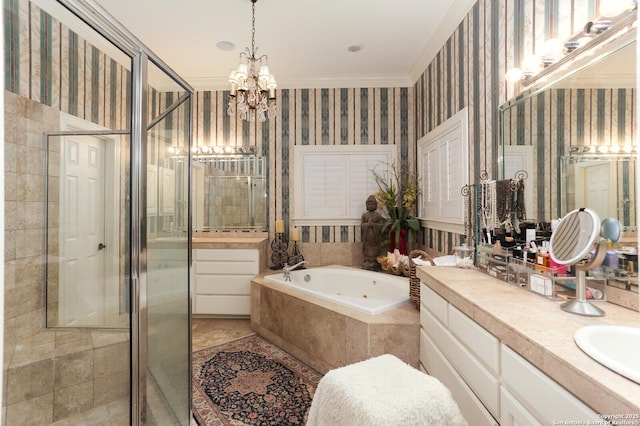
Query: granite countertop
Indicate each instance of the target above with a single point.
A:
(537, 329)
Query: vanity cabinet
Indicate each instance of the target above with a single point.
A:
(491, 383)
(222, 280)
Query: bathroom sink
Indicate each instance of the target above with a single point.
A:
(615, 347)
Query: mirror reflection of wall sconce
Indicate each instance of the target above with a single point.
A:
(614, 15)
(602, 149)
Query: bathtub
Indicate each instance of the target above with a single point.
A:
(365, 291)
(327, 322)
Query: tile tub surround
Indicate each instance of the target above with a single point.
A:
(538, 330)
(325, 335)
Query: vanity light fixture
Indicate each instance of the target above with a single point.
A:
(177, 150)
(207, 152)
(253, 87)
(619, 14)
(601, 149)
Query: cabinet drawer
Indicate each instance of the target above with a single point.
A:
(434, 303)
(546, 399)
(512, 413)
(228, 255)
(480, 380)
(478, 340)
(223, 305)
(437, 366)
(223, 284)
(226, 267)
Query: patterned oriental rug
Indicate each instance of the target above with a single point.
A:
(250, 381)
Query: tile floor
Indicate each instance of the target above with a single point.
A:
(206, 332)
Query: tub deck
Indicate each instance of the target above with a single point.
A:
(325, 335)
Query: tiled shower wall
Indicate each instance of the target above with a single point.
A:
(50, 374)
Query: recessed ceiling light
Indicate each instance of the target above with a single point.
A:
(225, 45)
(355, 47)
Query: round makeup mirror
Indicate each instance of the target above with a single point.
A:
(570, 244)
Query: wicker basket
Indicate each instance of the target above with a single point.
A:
(414, 282)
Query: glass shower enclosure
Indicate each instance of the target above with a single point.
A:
(116, 203)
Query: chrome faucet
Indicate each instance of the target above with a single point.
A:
(287, 269)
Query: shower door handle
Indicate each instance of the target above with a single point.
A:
(101, 246)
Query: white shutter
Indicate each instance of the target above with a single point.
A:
(443, 169)
(333, 181)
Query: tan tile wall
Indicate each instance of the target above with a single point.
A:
(50, 375)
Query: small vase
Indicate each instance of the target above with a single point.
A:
(402, 246)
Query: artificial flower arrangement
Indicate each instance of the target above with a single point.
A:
(396, 195)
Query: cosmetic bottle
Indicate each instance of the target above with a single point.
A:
(611, 258)
(542, 259)
(530, 233)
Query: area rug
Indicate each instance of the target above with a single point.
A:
(250, 381)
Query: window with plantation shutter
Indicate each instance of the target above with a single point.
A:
(333, 181)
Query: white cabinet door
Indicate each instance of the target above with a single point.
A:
(437, 366)
(512, 413)
(546, 399)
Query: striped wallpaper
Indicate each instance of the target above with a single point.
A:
(343, 116)
(469, 72)
(49, 63)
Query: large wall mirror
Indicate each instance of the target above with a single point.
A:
(230, 193)
(574, 132)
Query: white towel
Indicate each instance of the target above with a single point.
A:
(382, 391)
(448, 260)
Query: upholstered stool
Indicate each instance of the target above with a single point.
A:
(382, 391)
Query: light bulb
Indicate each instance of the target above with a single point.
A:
(553, 48)
(264, 73)
(232, 77)
(514, 75)
(241, 73)
(272, 83)
(530, 65)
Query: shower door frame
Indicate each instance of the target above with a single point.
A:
(100, 21)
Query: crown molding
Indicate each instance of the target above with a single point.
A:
(311, 82)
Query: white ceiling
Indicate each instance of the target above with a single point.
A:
(306, 41)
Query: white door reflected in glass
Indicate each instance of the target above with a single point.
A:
(84, 281)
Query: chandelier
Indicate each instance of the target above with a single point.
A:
(253, 88)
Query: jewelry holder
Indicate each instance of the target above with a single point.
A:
(296, 257)
(279, 248)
